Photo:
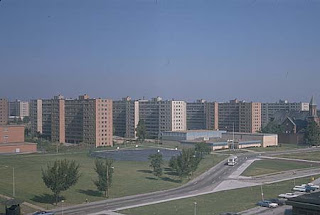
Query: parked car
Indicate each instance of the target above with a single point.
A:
(313, 185)
(299, 188)
(288, 195)
(267, 204)
(43, 213)
(278, 201)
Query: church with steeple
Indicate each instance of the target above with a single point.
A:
(296, 122)
(313, 112)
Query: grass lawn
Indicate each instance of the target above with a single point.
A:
(313, 156)
(129, 178)
(281, 147)
(225, 201)
(267, 166)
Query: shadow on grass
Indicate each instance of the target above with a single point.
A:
(46, 198)
(144, 171)
(90, 192)
(171, 180)
(152, 178)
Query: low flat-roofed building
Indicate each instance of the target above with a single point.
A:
(308, 204)
(12, 140)
(190, 135)
(265, 139)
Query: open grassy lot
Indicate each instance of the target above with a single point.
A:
(224, 201)
(313, 156)
(281, 147)
(267, 166)
(129, 178)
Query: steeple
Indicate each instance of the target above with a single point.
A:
(312, 108)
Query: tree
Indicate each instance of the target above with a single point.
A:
(141, 131)
(273, 128)
(104, 169)
(156, 163)
(185, 163)
(60, 176)
(202, 149)
(312, 134)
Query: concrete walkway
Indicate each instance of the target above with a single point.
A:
(290, 159)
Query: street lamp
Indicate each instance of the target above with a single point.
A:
(62, 201)
(195, 208)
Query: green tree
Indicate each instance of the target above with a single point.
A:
(312, 134)
(156, 162)
(185, 163)
(202, 149)
(141, 131)
(60, 176)
(104, 169)
(273, 128)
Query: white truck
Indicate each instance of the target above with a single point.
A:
(232, 161)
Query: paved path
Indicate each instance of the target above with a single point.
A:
(290, 159)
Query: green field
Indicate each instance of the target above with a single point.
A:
(225, 201)
(129, 178)
(267, 166)
(313, 156)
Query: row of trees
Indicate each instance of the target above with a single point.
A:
(63, 174)
(184, 164)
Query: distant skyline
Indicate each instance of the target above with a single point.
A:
(218, 50)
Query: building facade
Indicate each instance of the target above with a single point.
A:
(239, 116)
(4, 111)
(125, 117)
(202, 115)
(19, 109)
(268, 110)
(81, 120)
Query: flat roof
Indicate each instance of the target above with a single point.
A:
(251, 134)
(17, 144)
(194, 131)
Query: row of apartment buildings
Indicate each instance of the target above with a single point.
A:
(159, 115)
(95, 120)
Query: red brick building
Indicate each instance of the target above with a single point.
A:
(12, 140)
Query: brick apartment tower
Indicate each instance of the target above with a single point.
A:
(81, 120)
(4, 111)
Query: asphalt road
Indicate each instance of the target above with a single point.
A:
(205, 183)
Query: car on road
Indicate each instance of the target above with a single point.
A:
(267, 204)
(43, 213)
(304, 188)
(280, 202)
(288, 195)
(313, 185)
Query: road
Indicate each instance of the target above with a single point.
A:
(205, 183)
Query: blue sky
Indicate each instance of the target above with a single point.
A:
(256, 50)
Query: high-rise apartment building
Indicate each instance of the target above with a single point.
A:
(73, 120)
(35, 107)
(19, 109)
(269, 109)
(4, 111)
(249, 117)
(172, 116)
(240, 116)
(158, 115)
(125, 117)
(202, 115)
(149, 111)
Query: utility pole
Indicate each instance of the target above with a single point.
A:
(13, 184)
(262, 193)
(195, 208)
